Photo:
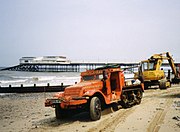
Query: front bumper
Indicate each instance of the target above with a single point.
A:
(66, 103)
(52, 102)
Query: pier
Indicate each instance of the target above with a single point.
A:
(72, 67)
(62, 64)
(66, 67)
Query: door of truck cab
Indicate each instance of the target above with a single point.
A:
(115, 84)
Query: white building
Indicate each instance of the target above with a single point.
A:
(44, 60)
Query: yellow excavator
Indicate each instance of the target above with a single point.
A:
(151, 73)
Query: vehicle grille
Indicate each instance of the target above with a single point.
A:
(73, 92)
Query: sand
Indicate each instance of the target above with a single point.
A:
(159, 111)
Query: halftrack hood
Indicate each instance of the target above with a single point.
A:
(79, 90)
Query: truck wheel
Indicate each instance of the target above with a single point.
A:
(146, 86)
(95, 109)
(162, 84)
(125, 101)
(60, 113)
(138, 97)
(115, 107)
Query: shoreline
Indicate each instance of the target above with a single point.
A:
(33, 89)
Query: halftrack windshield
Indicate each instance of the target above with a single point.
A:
(92, 77)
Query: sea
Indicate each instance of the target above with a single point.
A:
(17, 78)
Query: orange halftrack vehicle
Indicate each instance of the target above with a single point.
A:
(97, 89)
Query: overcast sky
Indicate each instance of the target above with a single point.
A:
(89, 30)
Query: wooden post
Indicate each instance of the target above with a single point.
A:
(48, 84)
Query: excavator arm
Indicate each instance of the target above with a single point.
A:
(171, 63)
(165, 56)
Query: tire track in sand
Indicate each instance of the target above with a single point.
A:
(110, 124)
(155, 123)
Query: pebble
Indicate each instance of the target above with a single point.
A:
(11, 121)
(7, 117)
(159, 109)
(178, 124)
(176, 118)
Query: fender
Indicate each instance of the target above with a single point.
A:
(92, 92)
(59, 94)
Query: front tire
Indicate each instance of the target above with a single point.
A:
(60, 113)
(95, 109)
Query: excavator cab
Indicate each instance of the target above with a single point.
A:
(150, 70)
(148, 65)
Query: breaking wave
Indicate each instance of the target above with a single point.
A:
(15, 78)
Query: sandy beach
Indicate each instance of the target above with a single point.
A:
(159, 111)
